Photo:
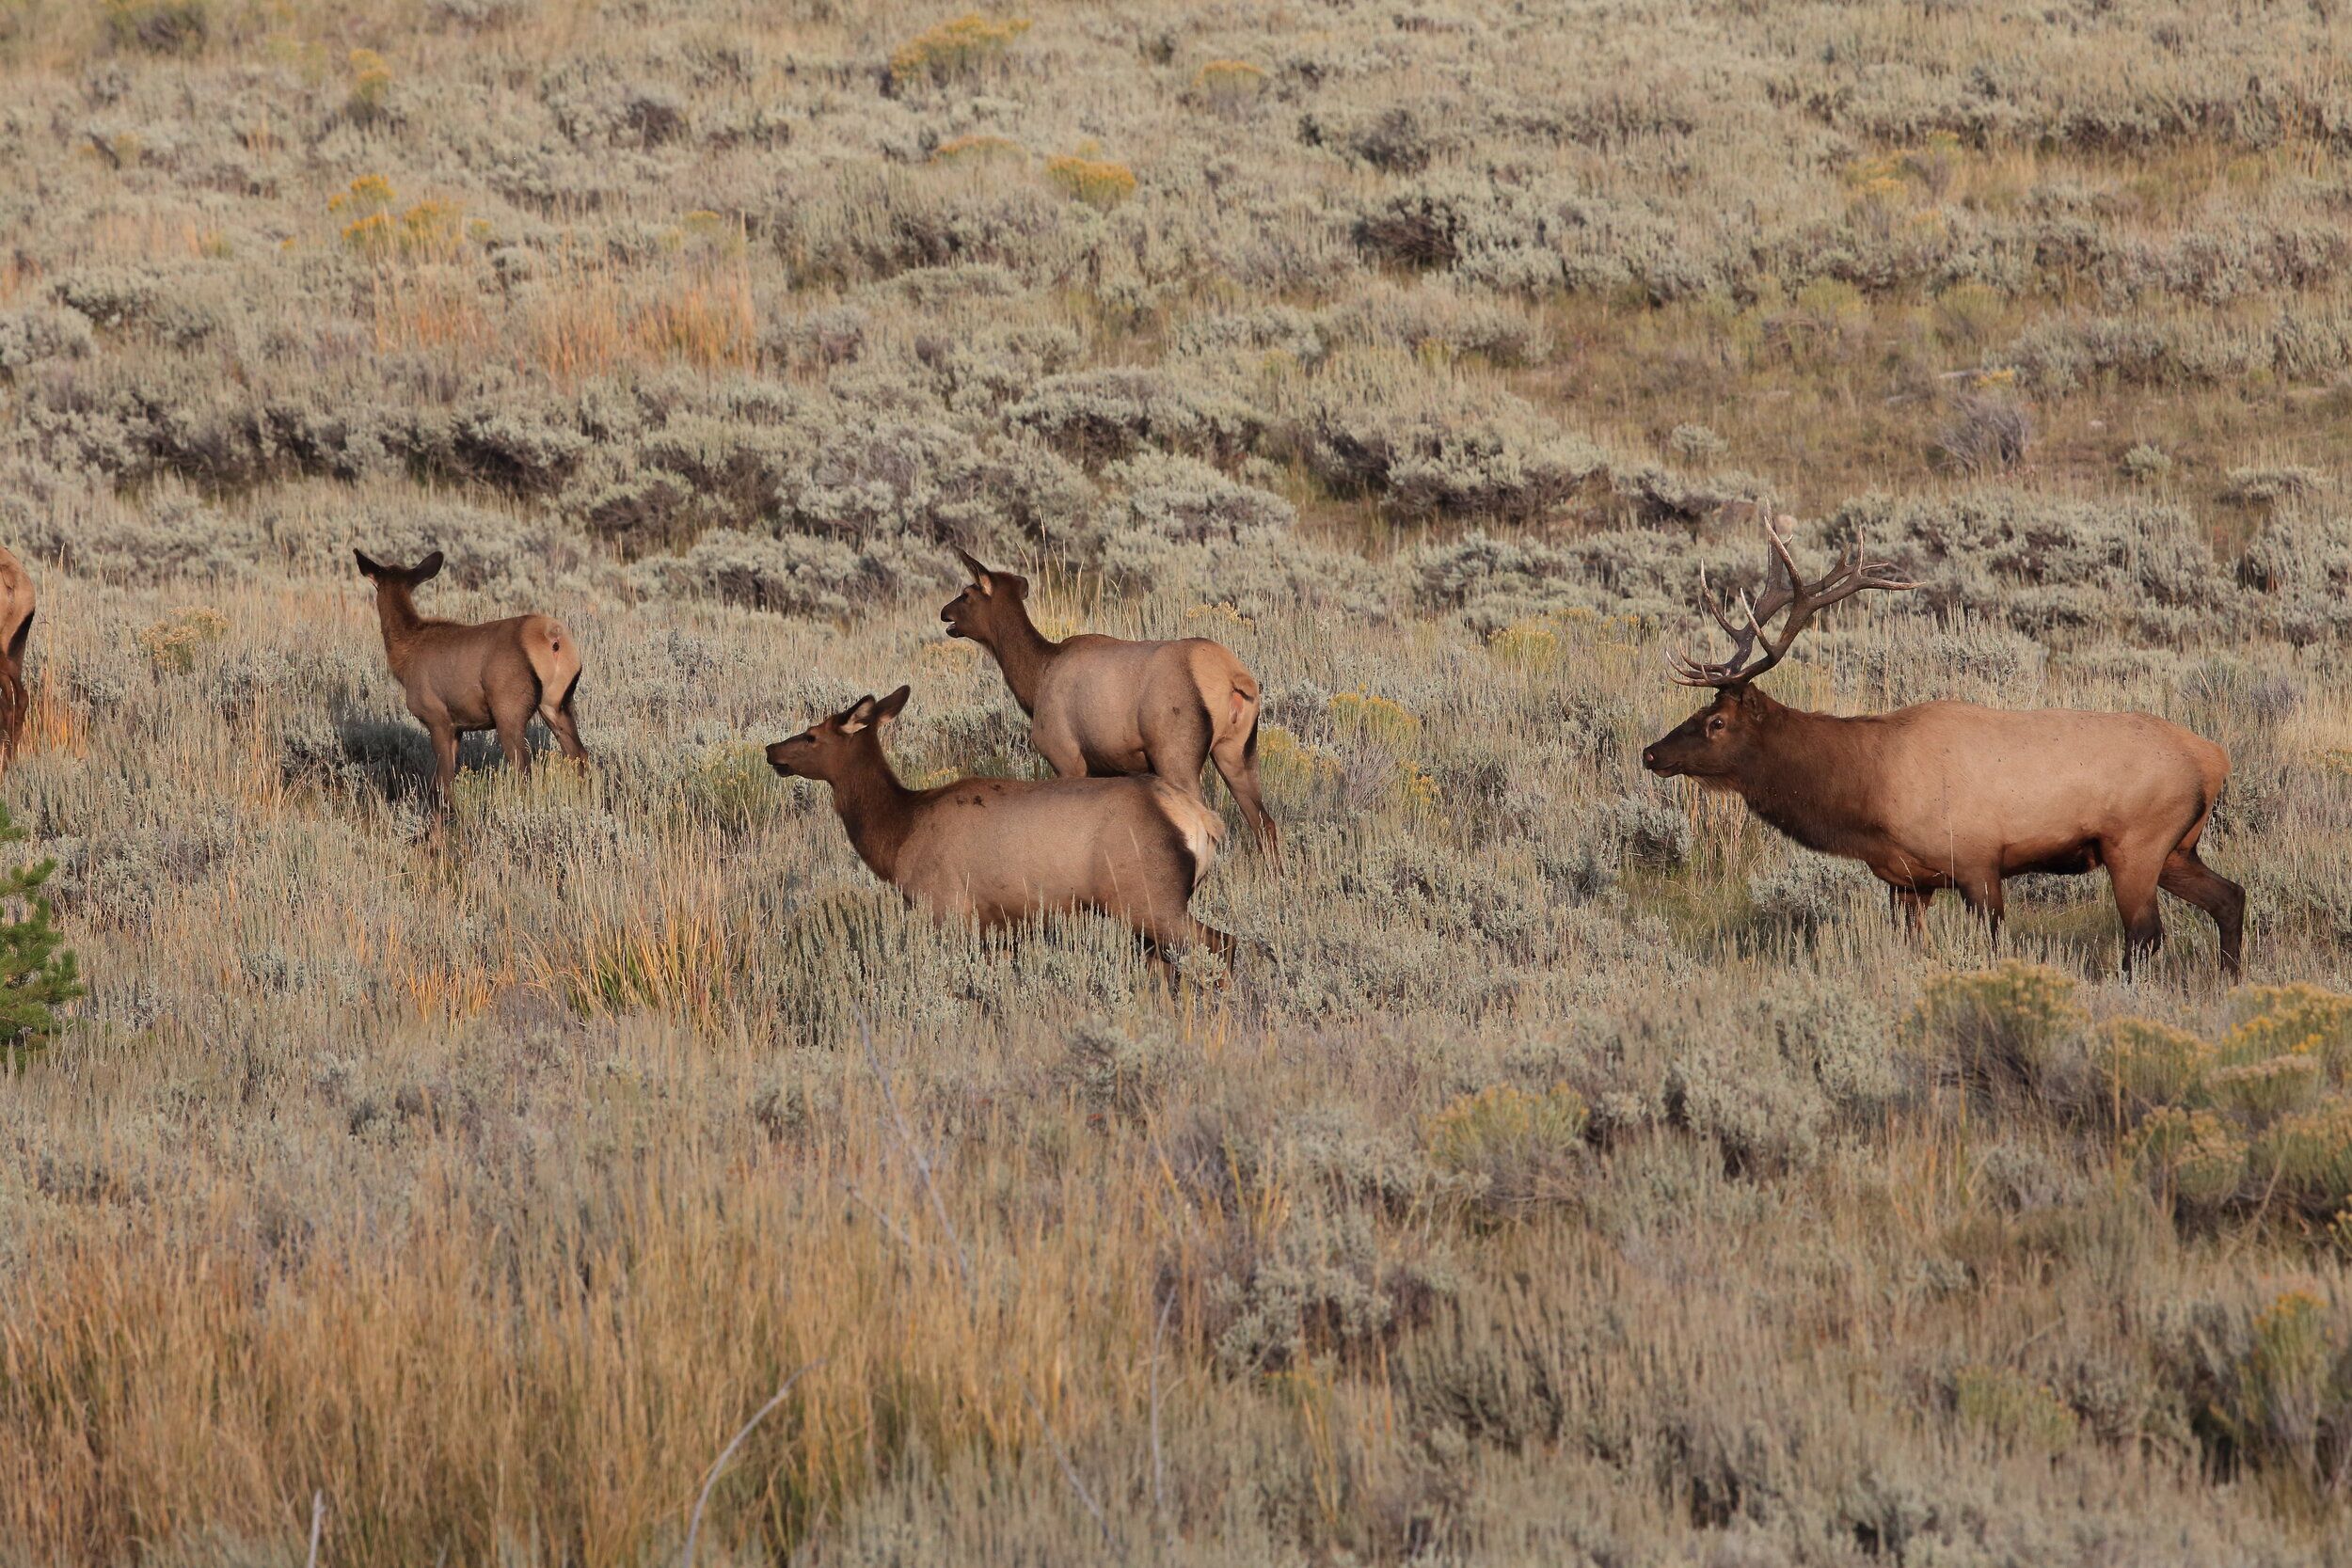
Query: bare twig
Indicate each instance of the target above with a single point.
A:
(897, 1232)
(694, 1526)
(1159, 1472)
(317, 1523)
(963, 1269)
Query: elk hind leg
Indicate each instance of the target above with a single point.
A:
(2189, 879)
(1183, 933)
(514, 726)
(1236, 759)
(558, 716)
(1176, 734)
(1165, 925)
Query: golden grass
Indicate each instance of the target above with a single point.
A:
(487, 1184)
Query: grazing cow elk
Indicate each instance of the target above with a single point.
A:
(1102, 705)
(1003, 850)
(16, 629)
(460, 679)
(1951, 794)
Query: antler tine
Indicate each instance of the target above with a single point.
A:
(1869, 571)
(1693, 672)
(1795, 601)
(1706, 597)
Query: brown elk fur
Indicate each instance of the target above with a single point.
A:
(1954, 795)
(1001, 851)
(16, 631)
(1103, 705)
(463, 678)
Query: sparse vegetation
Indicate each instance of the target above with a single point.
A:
(1586, 1175)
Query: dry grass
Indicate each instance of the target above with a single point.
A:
(1586, 1175)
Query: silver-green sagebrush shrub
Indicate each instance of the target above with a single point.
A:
(2268, 1386)
(1099, 416)
(1518, 1150)
(2007, 1024)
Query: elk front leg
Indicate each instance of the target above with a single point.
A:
(1909, 907)
(1982, 891)
(2133, 874)
(1059, 748)
(19, 701)
(444, 735)
(20, 696)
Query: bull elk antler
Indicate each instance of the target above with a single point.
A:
(1852, 576)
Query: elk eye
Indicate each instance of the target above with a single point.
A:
(1715, 725)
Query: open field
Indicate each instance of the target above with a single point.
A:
(1587, 1176)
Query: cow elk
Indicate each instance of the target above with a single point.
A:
(460, 679)
(1101, 706)
(16, 631)
(1951, 794)
(1000, 851)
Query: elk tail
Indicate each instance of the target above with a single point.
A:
(1199, 829)
(554, 657)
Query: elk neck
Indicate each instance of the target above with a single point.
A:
(1023, 652)
(877, 809)
(1815, 777)
(396, 611)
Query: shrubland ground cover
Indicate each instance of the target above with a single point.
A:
(1586, 1177)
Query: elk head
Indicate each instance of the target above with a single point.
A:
(1716, 743)
(830, 748)
(988, 608)
(398, 577)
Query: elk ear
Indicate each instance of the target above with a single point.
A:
(425, 570)
(971, 564)
(857, 716)
(1016, 586)
(892, 705)
(368, 567)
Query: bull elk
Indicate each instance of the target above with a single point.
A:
(1102, 705)
(1000, 851)
(1951, 794)
(16, 631)
(460, 679)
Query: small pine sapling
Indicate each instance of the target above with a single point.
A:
(39, 974)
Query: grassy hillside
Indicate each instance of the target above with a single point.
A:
(1587, 1176)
